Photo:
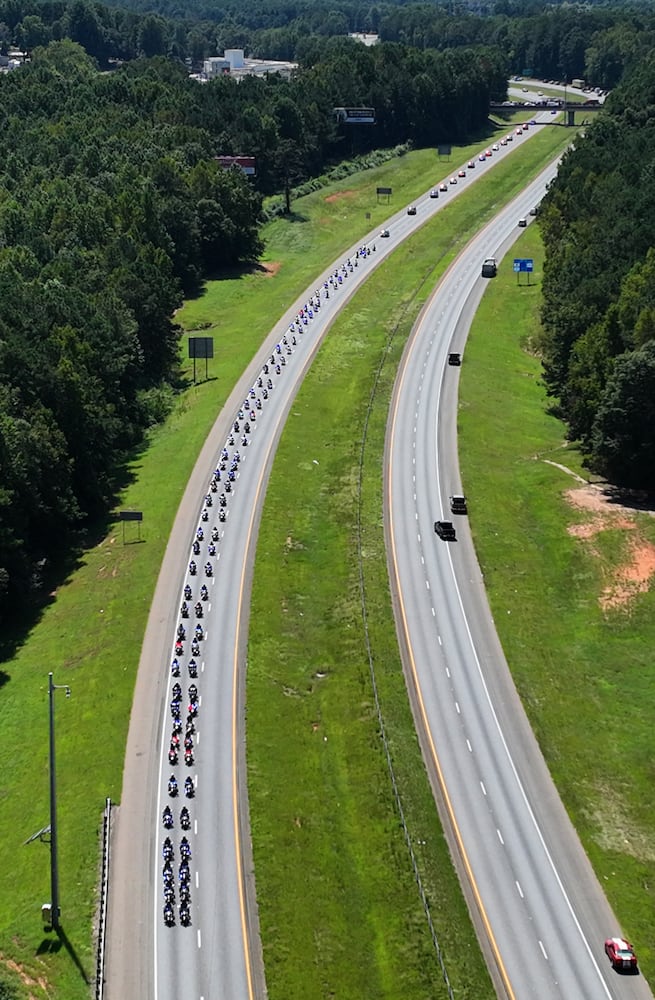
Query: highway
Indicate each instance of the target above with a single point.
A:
(218, 954)
(532, 892)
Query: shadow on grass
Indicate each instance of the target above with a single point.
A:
(244, 270)
(35, 587)
(632, 499)
(51, 946)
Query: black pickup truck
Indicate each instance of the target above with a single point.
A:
(445, 530)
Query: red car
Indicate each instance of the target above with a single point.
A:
(620, 953)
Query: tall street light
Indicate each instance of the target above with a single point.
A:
(54, 870)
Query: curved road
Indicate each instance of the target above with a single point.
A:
(218, 953)
(537, 903)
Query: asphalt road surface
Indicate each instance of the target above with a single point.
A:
(539, 909)
(218, 953)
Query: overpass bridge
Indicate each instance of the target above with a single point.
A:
(552, 104)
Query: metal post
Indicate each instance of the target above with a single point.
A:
(54, 871)
(54, 868)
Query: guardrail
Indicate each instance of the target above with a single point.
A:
(102, 909)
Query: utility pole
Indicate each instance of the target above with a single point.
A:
(54, 868)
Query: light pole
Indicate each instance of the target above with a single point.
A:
(54, 870)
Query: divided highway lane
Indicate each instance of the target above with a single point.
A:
(218, 953)
(539, 909)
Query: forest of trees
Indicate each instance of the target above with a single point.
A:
(113, 207)
(598, 222)
(597, 43)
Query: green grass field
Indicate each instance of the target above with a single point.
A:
(90, 636)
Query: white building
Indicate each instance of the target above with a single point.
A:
(234, 63)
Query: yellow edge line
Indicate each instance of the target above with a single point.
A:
(235, 797)
(417, 688)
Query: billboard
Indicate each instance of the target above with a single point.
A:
(201, 347)
(245, 163)
(355, 116)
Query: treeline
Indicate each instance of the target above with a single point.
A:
(112, 207)
(596, 43)
(598, 222)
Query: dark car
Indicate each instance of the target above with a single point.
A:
(458, 504)
(454, 358)
(445, 530)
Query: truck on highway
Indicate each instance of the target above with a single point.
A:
(489, 268)
(578, 84)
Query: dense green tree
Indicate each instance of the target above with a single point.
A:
(623, 435)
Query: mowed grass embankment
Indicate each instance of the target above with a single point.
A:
(90, 635)
(585, 675)
(338, 903)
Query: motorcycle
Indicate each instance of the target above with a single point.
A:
(193, 692)
(198, 610)
(221, 515)
(185, 915)
(169, 915)
(185, 819)
(184, 610)
(185, 849)
(188, 757)
(172, 785)
(208, 569)
(189, 788)
(208, 500)
(222, 500)
(204, 516)
(187, 592)
(195, 649)
(181, 632)
(185, 893)
(196, 548)
(179, 648)
(193, 668)
(167, 850)
(200, 635)
(177, 690)
(175, 667)
(172, 760)
(211, 549)
(167, 817)
(200, 534)
(215, 535)
(192, 568)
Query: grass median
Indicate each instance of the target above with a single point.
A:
(339, 906)
(91, 631)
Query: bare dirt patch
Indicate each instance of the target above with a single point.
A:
(606, 510)
(270, 268)
(339, 196)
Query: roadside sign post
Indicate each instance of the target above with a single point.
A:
(131, 515)
(523, 265)
(201, 347)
